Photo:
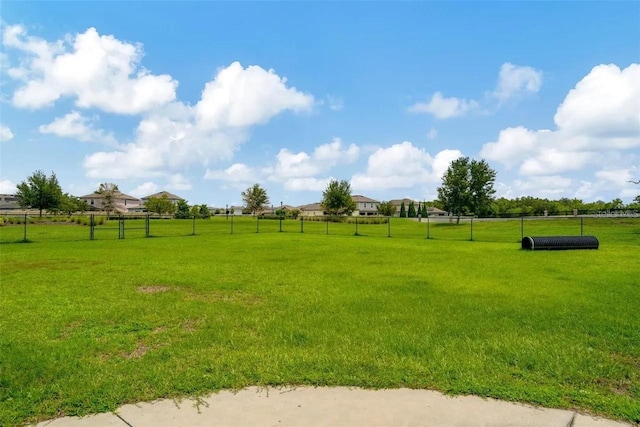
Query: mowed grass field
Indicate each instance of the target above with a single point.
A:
(86, 326)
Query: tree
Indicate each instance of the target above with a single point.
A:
(70, 204)
(386, 208)
(403, 210)
(40, 192)
(412, 210)
(160, 205)
(108, 191)
(481, 191)
(467, 186)
(182, 210)
(204, 211)
(336, 199)
(255, 198)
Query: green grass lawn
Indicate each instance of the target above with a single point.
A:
(86, 326)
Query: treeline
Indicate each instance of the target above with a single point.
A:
(528, 206)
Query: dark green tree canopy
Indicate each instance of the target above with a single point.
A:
(40, 192)
(386, 208)
(160, 205)
(403, 211)
(183, 210)
(412, 210)
(255, 198)
(337, 200)
(467, 187)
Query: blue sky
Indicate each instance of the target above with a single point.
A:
(204, 99)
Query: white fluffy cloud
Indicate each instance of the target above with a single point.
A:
(75, 125)
(98, 71)
(514, 80)
(178, 135)
(5, 133)
(296, 171)
(596, 123)
(144, 189)
(8, 187)
(238, 175)
(403, 166)
(243, 97)
(444, 108)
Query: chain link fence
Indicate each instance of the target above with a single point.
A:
(32, 228)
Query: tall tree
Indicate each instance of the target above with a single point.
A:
(183, 210)
(412, 210)
(481, 191)
(467, 186)
(255, 198)
(403, 210)
(40, 192)
(108, 191)
(337, 200)
(160, 205)
(386, 208)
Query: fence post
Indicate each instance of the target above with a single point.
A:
(92, 226)
(471, 230)
(357, 227)
(389, 226)
(24, 239)
(521, 228)
(121, 227)
(257, 223)
(428, 228)
(582, 226)
(301, 224)
(327, 217)
(232, 215)
(146, 226)
(193, 231)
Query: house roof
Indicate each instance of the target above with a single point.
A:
(358, 198)
(170, 196)
(311, 207)
(398, 202)
(118, 196)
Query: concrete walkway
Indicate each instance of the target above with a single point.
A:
(334, 407)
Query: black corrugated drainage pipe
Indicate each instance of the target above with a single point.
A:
(560, 242)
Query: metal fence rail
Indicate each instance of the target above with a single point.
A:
(24, 227)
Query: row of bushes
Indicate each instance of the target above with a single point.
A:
(80, 220)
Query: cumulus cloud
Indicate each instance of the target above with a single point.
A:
(5, 133)
(444, 108)
(296, 171)
(514, 80)
(238, 175)
(177, 135)
(98, 71)
(243, 97)
(74, 125)
(144, 189)
(335, 103)
(403, 166)
(596, 123)
(8, 187)
(178, 182)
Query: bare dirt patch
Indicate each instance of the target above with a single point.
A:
(153, 289)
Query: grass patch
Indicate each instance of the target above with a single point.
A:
(86, 326)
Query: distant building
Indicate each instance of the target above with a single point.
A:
(312, 209)
(9, 202)
(365, 206)
(123, 203)
(170, 196)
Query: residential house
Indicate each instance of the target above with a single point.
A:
(365, 206)
(312, 209)
(8, 202)
(123, 203)
(430, 209)
(172, 197)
